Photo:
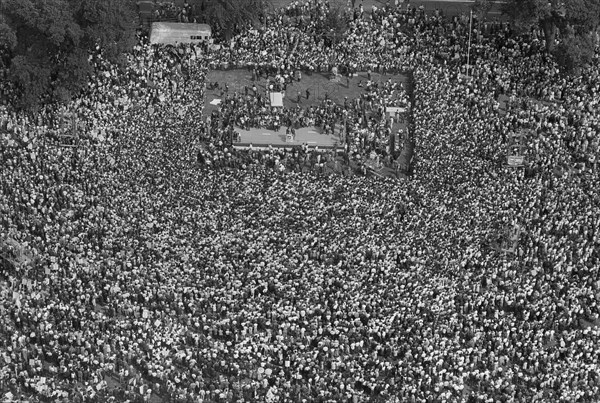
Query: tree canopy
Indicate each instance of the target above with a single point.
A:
(47, 43)
(333, 27)
(229, 16)
(481, 7)
(574, 20)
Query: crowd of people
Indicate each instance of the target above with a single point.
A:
(169, 11)
(149, 260)
(364, 124)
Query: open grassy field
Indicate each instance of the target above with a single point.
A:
(318, 85)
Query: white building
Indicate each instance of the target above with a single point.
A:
(173, 33)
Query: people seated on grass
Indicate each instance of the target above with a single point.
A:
(155, 276)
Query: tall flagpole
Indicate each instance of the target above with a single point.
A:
(469, 48)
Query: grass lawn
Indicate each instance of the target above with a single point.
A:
(318, 85)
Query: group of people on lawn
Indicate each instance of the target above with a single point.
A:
(130, 271)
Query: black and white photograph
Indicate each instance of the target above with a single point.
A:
(299, 201)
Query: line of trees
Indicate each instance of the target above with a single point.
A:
(570, 27)
(46, 43)
(230, 16)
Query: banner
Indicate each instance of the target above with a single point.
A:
(276, 98)
(516, 160)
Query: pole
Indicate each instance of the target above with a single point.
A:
(469, 47)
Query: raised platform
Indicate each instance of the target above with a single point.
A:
(311, 136)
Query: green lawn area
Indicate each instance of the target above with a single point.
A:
(318, 85)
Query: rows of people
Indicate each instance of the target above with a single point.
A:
(131, 271)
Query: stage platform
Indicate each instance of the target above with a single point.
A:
(311, 136)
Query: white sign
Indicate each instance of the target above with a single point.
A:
(516, 160)
(391, 110)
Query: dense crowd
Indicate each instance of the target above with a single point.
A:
(155, 261)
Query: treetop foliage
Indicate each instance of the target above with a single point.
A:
(228, 16)
(47, 43)
(574, 20)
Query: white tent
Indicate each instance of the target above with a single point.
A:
(179, 32)
(391, 110)
(276, 98)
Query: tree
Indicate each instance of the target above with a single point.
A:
(333, 27)
(573, 19)
(230, 16)
(8, 38)
(527, 14)
(15, 255)
(109, 24)
(48, 42)
(481, 8)
(574, 52)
